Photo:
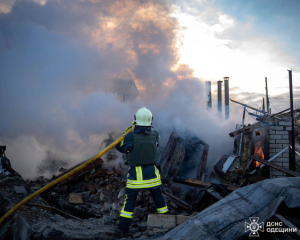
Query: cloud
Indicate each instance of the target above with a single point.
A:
(216, 44)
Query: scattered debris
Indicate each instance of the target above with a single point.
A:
(20, 190)
(262, 200)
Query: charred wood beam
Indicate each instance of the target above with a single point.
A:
(287, 223)
(53, 209)
(248, 128)
(202, 164)
(286, 114)
(201, 184)
(74, 176)
(247, 137)
(178, 201)
(279, 168)
(273, 115)
(71, 209)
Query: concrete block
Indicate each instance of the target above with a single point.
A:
(284, 145)
(285, 123)
(75, 198)
(106, 206)
(122, 192)
(275, 172)
(20, 190)
(286, 165)
(159, 230)
(278, 150)
(137, 236)
(143, 226)
(282, 132)
(272, 132)
(286, 160)
(285, 136)
(113, 215)
(181, 219)
(162, 221)
(276, 128)
(275, 137)
(273, 154)
(282, 159)
(139, 212)
(281, 176)
(274, 123)
(282, 141)
(272, 145)
(272, 150)
(286, 154)
(288, 128)
(288, 119)
(272, 141)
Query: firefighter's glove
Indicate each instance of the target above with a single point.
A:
(126, 129)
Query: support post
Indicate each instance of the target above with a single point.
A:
(241, 139)
(267, 96)
(292, 151)
(226, 82)
(220, 98)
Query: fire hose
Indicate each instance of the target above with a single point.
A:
(58, 180)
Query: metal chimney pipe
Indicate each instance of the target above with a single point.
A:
(220, 97)
(226, 81)
(208, 94)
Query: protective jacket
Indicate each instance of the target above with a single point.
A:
(144, 151)
(141, 146)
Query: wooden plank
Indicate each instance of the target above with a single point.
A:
(178, 201)
(279, 168)
(287, 223)
(245, 105)
(247, 128)
(202, 184)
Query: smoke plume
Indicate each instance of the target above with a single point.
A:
(61, 63)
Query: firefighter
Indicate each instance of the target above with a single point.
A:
(141, 149)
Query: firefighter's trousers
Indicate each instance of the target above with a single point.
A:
(129, 203)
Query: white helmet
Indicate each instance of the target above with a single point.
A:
(143, 117)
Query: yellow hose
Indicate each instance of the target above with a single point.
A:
(38, 192)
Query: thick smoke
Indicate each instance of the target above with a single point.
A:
(58, 62)
(50, 164)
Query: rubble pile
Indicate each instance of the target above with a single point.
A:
(85, 206)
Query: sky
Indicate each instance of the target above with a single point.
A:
(58, 59)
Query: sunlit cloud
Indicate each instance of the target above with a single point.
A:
(215, 45)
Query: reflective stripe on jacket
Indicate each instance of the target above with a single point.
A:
(143, 177)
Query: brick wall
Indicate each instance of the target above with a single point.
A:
(279, 139)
